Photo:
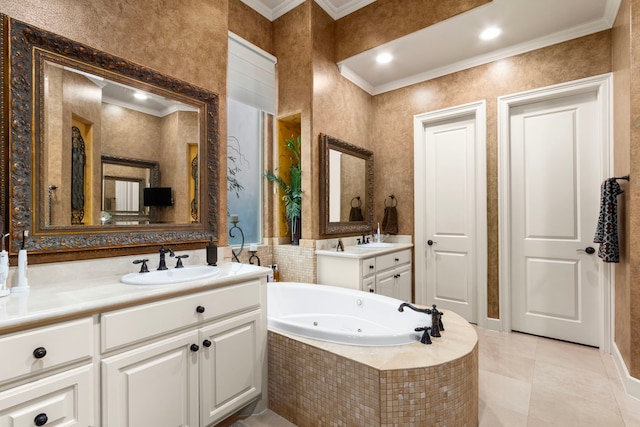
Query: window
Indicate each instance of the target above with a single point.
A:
(251, 90)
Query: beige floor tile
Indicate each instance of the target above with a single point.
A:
(570, 355)
(579, 383)
(500, 391)
(551, 406)
(497, 416)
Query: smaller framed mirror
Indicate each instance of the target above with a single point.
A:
(346, 187)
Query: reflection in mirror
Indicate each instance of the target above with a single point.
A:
(70, 106)
(123, 182)
(346, 187)
(87, 117)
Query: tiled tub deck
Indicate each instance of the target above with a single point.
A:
(315, 383)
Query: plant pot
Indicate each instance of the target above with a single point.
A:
(295, 225)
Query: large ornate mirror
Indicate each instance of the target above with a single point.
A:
(84, 122)
(346, 187)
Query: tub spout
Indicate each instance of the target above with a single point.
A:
(425, 335)
(419, 310)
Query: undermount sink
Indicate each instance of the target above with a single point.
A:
(172, 275)
(376, 245)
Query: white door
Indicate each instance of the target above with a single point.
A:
(555, 169)
(450, 215)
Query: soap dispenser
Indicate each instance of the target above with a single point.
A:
(4, 268)
(23, 282)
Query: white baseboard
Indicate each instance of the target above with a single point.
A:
(494, 324)
(631, 384)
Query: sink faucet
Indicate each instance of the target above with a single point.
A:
(162, 265)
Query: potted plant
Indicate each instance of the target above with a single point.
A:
(291, 186)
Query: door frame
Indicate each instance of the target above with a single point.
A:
(602, 85)
(477, 110)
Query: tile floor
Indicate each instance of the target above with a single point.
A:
(531, 381)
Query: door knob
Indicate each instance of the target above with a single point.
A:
(431, 242)
(589, 250)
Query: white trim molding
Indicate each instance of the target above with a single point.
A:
(602, 85)
(420, 122)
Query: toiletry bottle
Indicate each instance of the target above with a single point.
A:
(4, 268)
(270, 275)
(23, 281)
(4, 273)
(276, 273)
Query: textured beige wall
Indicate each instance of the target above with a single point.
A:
(250, 25)
(386, 20)
(189, 43)
(340, 108)
(392, 134)
(621, 64)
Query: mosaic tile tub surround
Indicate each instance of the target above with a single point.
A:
(313, 383)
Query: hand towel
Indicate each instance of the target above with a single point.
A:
(607, 229)
(356, 214)
(390, 220)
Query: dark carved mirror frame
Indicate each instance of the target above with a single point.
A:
(26, 47)
(352, 227)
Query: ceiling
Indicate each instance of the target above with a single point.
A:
(526, 25)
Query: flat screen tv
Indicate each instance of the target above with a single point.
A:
(157, 196)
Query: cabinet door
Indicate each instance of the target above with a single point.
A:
(154, 385)
(385, 283)
(62, 399)
(230, 366)
(403, 283)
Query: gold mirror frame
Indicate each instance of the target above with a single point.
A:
(328, 228)
(26, 47)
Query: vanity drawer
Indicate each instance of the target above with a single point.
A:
(130, 325)
(40, 349)
(391, 260)
(368, 267)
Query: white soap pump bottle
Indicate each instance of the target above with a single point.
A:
(4, 268)
(23, 283)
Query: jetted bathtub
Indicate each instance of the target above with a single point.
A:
(341, 315)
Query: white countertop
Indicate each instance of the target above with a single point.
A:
(86, 294)
(361, 252)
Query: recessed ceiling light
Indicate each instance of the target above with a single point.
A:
(490, 33)
(140, 95)
(384, 58)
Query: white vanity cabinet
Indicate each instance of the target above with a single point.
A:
(187, 361)
(384, 272)
(47, 375)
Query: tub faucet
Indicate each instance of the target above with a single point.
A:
(436, 322)
(419, 310)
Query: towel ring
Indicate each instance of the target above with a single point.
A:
(393, 203)
(357, 198)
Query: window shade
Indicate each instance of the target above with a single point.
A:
(251, 75)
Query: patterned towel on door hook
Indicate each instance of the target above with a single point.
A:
(607, 230)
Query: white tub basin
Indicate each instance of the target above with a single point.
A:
(172, 275)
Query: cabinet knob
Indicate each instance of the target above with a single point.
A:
(41, 419)
(194, 347)
(200, 309)
(371, 267)
(397, 259)
(39, 353)
(206, 343)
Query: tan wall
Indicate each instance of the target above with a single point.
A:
(189, 43)
(340, 108)
(621, 64)
(250, 25)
